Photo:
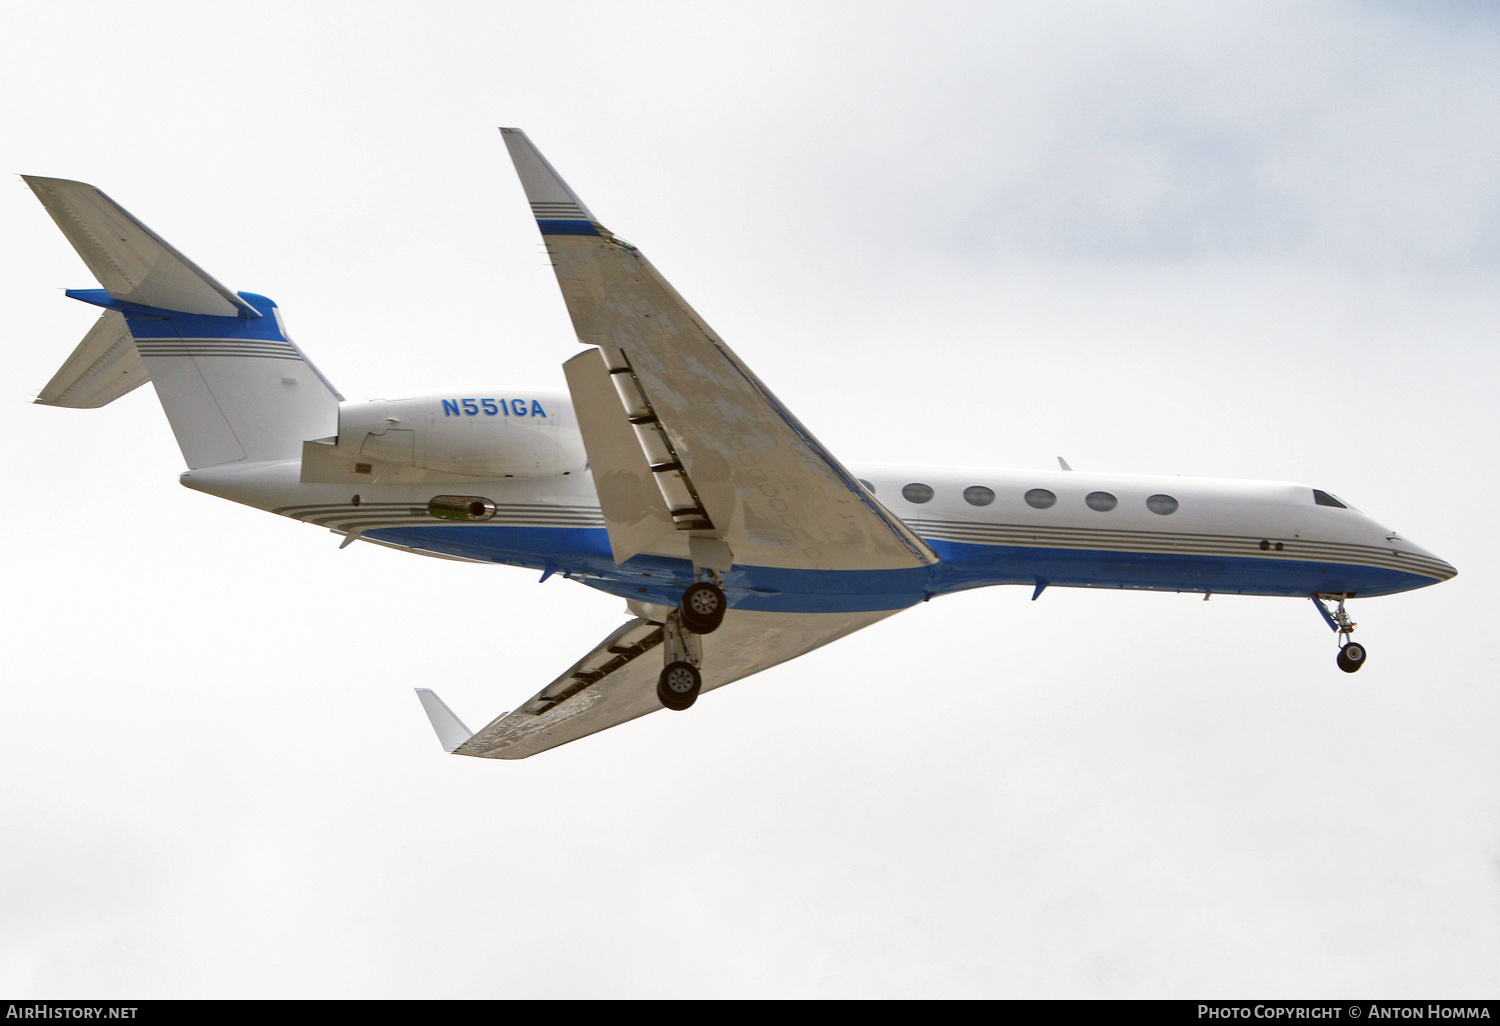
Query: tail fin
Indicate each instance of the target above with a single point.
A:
(233, 385)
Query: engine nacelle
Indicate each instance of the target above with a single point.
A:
(483, 433)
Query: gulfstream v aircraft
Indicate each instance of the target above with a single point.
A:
(667, 474)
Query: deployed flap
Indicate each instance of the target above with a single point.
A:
(133, 263)
(634, 511)
(104, 367)
(616, 681)
(768, 488)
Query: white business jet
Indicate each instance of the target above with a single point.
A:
(667, 474)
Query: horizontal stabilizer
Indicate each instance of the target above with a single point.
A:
(450, 729)
(133, 263)
(104, 367)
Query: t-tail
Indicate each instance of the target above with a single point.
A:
(233, 385)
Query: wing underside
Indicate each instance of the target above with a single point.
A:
(616, 681)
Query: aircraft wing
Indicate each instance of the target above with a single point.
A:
(733, 465)
(616, 681)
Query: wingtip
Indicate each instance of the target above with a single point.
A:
(450, 730)
(557, 208)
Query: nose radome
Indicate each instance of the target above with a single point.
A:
(1421, 559)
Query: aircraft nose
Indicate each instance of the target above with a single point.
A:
(1419, 559)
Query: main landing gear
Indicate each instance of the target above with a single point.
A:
(703, 607)
(1351, 653)
(701, 612)
(678, 686)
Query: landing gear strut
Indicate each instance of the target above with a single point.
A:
(678, 686)
(1351, 653)
(701, 612)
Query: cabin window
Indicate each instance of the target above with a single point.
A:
(916, 492)
(1101, 501)
(1040, 498)
(868, 486)
(1162, 505)
(1322, 498)
(979, 495)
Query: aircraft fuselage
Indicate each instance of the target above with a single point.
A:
(989, 526)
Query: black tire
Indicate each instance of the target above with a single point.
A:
(1352, 657)
(678, 686)
(703, 606)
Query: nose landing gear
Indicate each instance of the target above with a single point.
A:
(1351, 657)
(1351, 653)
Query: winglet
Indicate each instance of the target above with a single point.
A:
(557, 208)
(450, 729)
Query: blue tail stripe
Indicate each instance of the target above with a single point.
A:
(148, 322)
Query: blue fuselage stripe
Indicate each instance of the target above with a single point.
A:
(584, 554)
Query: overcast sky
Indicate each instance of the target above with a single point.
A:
(1233, 239)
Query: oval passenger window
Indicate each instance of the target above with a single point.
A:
(1101, 501)
(1162, 505)
(916, 492)
(1040, 498)
(868, 486)
(978, 495)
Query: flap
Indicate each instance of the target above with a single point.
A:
(635, 513)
